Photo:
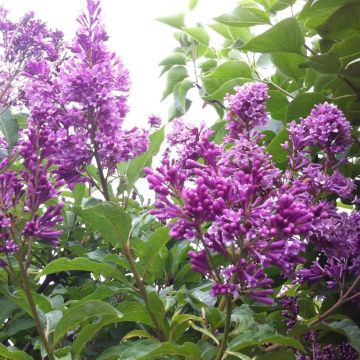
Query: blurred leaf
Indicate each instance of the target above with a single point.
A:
(148, 350)
(199, 34)
(284, 36)
(244, 17)
(174, 59)
(176, 21)
(12, 353)
(82, 312)
(180, 92)
(350, 329)
(174, 76)
(193, 4)
(9, 127)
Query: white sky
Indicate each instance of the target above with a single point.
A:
(135, 35)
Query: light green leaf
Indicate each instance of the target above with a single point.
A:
(288, 64)
(176, 21)
(284, 36)
(180, 92)
(82, 312)
(227, 71)
(140, 334)
(176, 58)
(83, 264)
(244, 17)
(174, 76)
(136, 166)
(199, 34)
(227, 87)
(9, 127)
(193, 4)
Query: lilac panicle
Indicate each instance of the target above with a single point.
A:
(85, 102)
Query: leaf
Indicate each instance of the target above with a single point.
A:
(151, 255)
(110, 220)
(224, 72)
(350, 329)
(283, 340)
(193, 4)
(50, 320)
(180, 92)
(288, 64)
(139, 333)
(244, 17)
(79, 313)
(275, 149)
(41, 301)
(302, 105)
(9, 127)
(281, 5)
(277, 104)
(89, 331)
(284, 36)
(176, 58)
(12, 353)
(136, 166)
(226, 88)
(343, 22)
(174, 76)
(199, 34)
(148, 350)
(176, 21)
(205, 332)
(133, 311)
(83, 264)
(325, 64)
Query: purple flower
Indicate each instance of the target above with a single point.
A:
(290, 312)
(246, 108)
(154, 121)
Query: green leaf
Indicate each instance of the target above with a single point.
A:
(180, 92)
(277, 104)
(227, 71)
(279, 5)
(9, 127)
(275, 149)
(136, 166)
(85, 311)
(199, 34)
(174, 59)
(151, 255)
(148, 350)
(350, 329)
(244, 17)
(284, 36)
(176, 21)
(205, 332)
(343, 22)
(283, 340)
(110, 220)
(89, 331)
(140, 334)
(83, 264)
(325, 64)
(133, 311)
(302, 105)
(12, 353)
(193, 4)
(288, 64)
(227, 87)
(174, 76)
(174, 112)
(41, 301)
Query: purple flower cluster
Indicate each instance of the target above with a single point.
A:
(290, 312)
(247, 108)
(20, 42)
(85, 102)
(238, 205)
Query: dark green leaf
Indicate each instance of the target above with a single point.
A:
(12, 353)
(82, 312)
(288, 64)
(277, 104)
(350, 329)
(325, 64)
(82, 264)
(275, 149)
(133, 311)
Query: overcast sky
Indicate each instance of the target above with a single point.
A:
(135, 35)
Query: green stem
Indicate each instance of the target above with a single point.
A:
(27, 290)
(227, 327)
(143, 292)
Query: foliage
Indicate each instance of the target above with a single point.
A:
(89, 270)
